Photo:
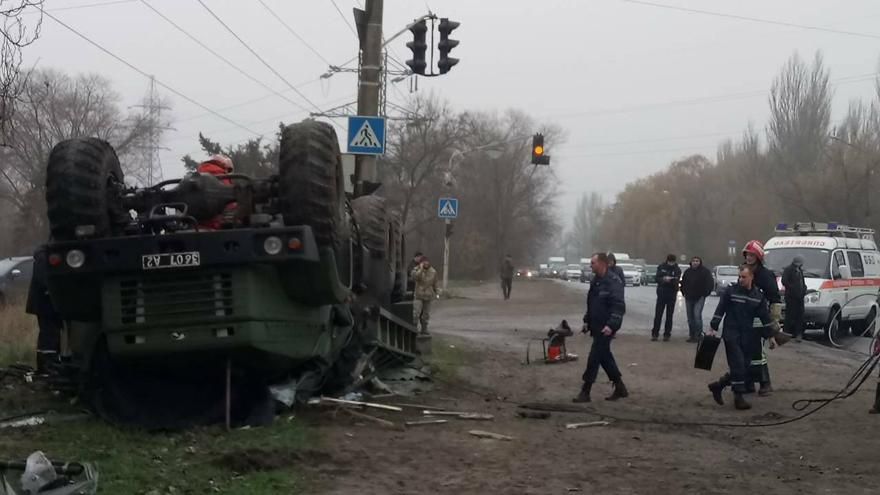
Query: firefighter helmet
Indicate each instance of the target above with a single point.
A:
(756, 248)
(222, 161)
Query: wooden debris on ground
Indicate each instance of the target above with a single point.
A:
(427, 422)
(490, 435)
(355, 403)
(372, 419)
(575, 426)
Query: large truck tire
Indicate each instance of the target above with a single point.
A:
(83, 181)
(372, 219)
(311, 181)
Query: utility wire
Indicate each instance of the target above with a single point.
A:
(294, 33)
(90, 5)
(221, 57)
(141, 72)
(248, 102)
(753, 19)
(345, 19)
(255, 54)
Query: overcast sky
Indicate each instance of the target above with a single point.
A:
(634, 86)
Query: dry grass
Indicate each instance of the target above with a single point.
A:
(18, 335)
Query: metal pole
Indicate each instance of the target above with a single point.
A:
(370, 83)
(446, 255)
(228, 394)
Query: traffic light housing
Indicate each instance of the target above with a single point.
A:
(539, 155)
(446, 45)
(418, 46)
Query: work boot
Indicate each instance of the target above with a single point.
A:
(876, 408)
(666, 338)
(654, 337)
(620, 391)
(584, 395)
(739, 402)
(717, 388)
(765, 390)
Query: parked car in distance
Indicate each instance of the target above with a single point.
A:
(724, 276)
(572, 272)
(15, 279)
(632, 275)
(586, 274)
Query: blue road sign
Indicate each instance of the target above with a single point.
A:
(366, 135)
(447, 208)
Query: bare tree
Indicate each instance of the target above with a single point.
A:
(584, 231)
(53, 107)
(17, 34)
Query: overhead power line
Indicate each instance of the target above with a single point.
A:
(143, 73)
(246, 103)
(257, 55)
(221, 57)
(753, 19)
(345, 19)
(294, 33)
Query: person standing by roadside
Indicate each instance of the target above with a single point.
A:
(668, 275)
(612, 265)
(425, 277)
(795, 291)
(605, 310)
(507, 276)
(413, 264)
(696, 285)
(765, 281)
(40, 305)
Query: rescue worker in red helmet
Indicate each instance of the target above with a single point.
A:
(765, 281)
(218, 165)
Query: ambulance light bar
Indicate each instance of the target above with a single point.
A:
(805, 228)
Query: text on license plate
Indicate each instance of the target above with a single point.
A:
(170, 260)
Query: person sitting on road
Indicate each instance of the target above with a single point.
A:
(218, 165)
(739, 307)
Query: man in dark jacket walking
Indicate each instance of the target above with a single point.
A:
(605, 309)
(668, 275)
(696, 285)
(795, 290)
(739, 306)
(507, 270)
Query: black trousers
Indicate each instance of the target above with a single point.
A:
(794, 316)
(737, 350)
(600, 355)
(506, 285)
(664, 302)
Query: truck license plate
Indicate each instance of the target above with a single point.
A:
(170, 260)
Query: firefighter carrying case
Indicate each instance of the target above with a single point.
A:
(706, 350)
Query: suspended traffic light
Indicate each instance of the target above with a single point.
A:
(418, 46)
(538, 155)
(446, 45)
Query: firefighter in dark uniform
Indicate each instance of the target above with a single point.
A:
(739, 307)
(668, 277)
(765, 281)
(605, 309)
(40, 305)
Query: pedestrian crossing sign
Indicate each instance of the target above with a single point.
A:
(447, 208)
(366, 135)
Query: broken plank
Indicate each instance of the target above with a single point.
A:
(427, 422)
(444, 413)
(420, 406)
(489, 434)
(476, 416)
(361, 404)
(373, 419)
(575, 426)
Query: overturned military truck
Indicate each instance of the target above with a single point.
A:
(170, 323)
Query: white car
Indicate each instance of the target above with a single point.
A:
(631, 274)
(572, 272)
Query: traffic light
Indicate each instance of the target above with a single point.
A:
(418, 46)
(538, 152)
(446, 45)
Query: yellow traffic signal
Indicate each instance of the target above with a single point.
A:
(539, 150)
(538, 156)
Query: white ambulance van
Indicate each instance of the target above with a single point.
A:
(841, 270)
